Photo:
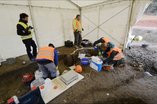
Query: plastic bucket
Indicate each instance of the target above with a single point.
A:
(85, 61)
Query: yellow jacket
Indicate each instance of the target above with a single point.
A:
(25, 26)
(77, 25)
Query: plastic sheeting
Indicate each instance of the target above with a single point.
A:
(112, 20)
(52, 21)
(52, 25)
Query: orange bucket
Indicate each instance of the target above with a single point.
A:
(78, 68)
(107, 68)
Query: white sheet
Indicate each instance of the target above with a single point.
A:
(61, 87)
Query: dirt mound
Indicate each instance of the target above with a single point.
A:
(145, 56)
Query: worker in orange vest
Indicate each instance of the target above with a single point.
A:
(47, 59)
(77, 28)
(115, 57)
(106, 44)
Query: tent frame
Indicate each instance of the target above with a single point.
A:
(99, 25)
(98, 5)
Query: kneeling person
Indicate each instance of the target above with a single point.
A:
(115, 57)
(47, 59)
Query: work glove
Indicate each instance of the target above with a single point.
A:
(76, 30)
(95, 48)
(56, 67)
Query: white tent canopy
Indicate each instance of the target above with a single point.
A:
(52, 21)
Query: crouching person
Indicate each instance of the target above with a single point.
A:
(115, 57)
(47, 59)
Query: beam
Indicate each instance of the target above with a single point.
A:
(33, 24)
(104, 3)
(129, 23)
(76, 5)
(38, 6)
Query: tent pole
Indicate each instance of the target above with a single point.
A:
(129, 23)
(103, 3)
(33, 24)
(74, 4)
(38, 6)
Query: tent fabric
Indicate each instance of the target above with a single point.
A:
(52, 21)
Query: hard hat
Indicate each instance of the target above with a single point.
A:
(110, 45)
(78, 68)
(138, 38)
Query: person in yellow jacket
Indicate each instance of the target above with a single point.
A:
(24, 31)
(77, 29)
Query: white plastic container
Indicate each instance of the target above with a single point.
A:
(38, 74)
(96, 63)
(57, 73)
(16, 100)
(37, 82)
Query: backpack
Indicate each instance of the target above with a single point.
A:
(86, 43)
(68, 43)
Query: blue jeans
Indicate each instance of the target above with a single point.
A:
(48, 68)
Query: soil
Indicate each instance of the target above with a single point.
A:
(125, 85)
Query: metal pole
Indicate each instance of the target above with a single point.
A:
(38, 6)
(33, 23)
(129, 23)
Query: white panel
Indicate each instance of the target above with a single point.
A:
(67, 18)
(10, 43)
(52, 25)
(53, 3)
(89, 23)
(116, 26)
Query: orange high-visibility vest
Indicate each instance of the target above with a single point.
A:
(106, 40)
(46, 53)
(118, 56)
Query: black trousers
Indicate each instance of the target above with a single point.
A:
(28, 44)
(78, 38)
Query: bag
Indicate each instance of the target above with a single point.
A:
(86, 43)
(33, 97)
(68, 43)
(69, 60)
(27, 78)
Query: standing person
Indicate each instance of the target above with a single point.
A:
(47, 59)
(24, 31)
(77, 28)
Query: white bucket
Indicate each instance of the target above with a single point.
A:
(38, 74)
